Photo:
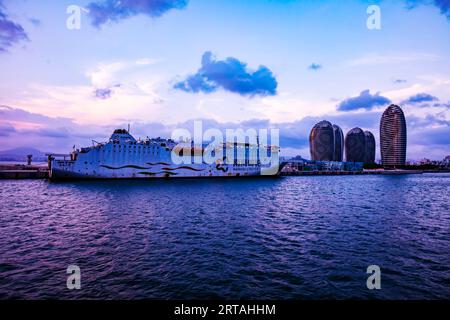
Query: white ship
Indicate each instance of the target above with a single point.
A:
(124, 157)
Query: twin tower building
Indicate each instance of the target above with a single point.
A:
(327, 141)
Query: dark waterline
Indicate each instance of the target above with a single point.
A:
(288, 238)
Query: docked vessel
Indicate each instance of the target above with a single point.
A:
(124, 157)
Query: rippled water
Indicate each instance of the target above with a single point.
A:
(287, 238)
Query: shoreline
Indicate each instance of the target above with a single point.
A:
(28, 172)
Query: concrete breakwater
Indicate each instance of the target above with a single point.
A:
(20, 171)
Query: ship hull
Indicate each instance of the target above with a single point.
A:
(70, 170)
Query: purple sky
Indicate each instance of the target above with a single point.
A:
(282, 64)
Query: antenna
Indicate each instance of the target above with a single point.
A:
(128, 128)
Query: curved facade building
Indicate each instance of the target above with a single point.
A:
(370, 147)
(355, 145)
(338, 143)
(321, 142)
(393, 136)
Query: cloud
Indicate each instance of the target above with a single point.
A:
(430, 121)
(104, 73)
(420, 98)
(105, 11)
(315, 66)
(443, 5)
(105, 93)
(373, 59)
(10, 32)
(24, 120)
(137, 97)
(21, 128)
(444, 105)
(35, 22)
(231, 75)
(107, 74)
(6, 130)
(365, 101)
(432, 136)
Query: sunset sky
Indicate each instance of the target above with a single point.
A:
(158, 65)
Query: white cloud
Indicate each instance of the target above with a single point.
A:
(104, 74)
(107, 74)
(80, 103)
(148, 61)
(378, 59)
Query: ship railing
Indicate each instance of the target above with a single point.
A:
(58, 156)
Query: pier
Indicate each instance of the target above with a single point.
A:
(20, 171)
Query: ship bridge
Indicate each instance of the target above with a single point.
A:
(122, 136)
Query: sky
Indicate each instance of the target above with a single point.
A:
(159, 65)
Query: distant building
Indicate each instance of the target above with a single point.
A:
(321, 142)
(338, 144)
(393, 136)
(370, 147)
(355, 145)
(446, 160)
(298, 164)
(327, 144)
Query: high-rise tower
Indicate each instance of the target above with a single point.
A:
(370, 147)
(321, 141)
(355, 146)
(338, 143)
(393, 136)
